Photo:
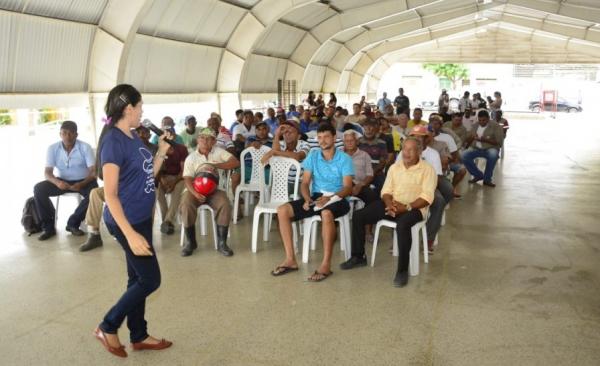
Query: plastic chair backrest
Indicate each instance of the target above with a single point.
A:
(280, 174)
(257, 167)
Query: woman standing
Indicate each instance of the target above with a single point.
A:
(128, 169)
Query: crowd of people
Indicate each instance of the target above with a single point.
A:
(368, 154)
(402, 169)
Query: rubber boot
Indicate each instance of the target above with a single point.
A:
(190, 242)
(222, 247)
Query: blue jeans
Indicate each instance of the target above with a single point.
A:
(144, 278)
(491, 157)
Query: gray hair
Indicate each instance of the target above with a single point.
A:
(416, 140)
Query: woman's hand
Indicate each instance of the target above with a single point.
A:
(138, 244)
(163, 145)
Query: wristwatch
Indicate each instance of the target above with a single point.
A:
(408, 207)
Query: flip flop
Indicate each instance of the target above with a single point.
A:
(281, 270)
(325, 275)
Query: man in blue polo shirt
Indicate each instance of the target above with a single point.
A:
(69, 168)
(326, 182)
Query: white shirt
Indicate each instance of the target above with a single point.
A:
(241, 129)
(444, 137)
(480, 130)
(195, 160)
(468, 122)
(432, 157)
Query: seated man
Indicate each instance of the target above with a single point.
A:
(454, 163)
(363, 169)
(170, 181)
(408, 190)
(190, 134)
(167, 123)
(69, 168)
(417, 119)
(207, 153)
(484, 141)
(261, 138)
(287, 144)
(443, 194)
(96, 205)
(456, 126)
(377, 150)
(225, 142)
(330, 172)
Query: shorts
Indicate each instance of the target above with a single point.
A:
(456, 167)
(338, 209)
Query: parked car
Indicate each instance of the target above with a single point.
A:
(562, 105)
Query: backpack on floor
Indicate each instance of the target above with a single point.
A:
(30, 220)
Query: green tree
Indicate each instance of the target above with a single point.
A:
(5, 117)
(452, 72)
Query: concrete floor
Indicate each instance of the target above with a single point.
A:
(514, 282)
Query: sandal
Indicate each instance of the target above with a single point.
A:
(323, 276)
(281, 270)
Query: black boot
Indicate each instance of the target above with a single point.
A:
(190, 241)
(222, 247)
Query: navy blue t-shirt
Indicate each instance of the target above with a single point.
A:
(136, 175)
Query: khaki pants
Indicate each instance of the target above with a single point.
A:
(168, 211)
(218, 201)
(94, 210)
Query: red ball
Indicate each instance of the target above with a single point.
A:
(206, 183)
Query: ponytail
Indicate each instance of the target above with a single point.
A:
(118, 99)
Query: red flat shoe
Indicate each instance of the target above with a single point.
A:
(139, 346)
(117, 351)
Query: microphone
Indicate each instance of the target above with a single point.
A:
(152, 127)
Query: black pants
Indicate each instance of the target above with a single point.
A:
(367, 195)
(45, 189)
(144, 278)
(375, 212)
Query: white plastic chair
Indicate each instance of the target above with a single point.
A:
(202, 209)
(279, 175)
(256, 178)
(414, 250)
(68, 194)
(310, 235)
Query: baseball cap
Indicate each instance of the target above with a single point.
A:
(280, 110)
(293, 122)
(261, 124)
(419, 130)
(189, 118)
(207, 131)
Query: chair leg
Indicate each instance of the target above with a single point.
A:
(425, 244)
(266, 226)
(247, 203)
(236, 203)
(214, 225)
(56, 211)
(375, 241)
(414, 252)
(313, 235)
(202, 223)
(255, 224)
(182, 234)
(395, 244)
(306, 242)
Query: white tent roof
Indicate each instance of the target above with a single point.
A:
(244, 46)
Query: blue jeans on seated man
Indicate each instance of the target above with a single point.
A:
(491, 157)
(42, 193)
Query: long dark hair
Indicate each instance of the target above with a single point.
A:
(119, 98)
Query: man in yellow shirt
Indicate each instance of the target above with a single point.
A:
(407, 191)
(417, 119)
